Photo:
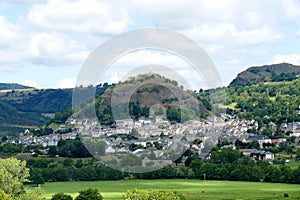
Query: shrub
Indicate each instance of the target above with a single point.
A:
(4, 196)
(136, 194)
(89, 194)
(61, 196)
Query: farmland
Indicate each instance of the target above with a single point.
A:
(191, 189)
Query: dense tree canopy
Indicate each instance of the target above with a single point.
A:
(13, 173)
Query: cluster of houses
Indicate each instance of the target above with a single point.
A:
(147, 136)
(159, 136)
(45, 140)
(176, 137)
(293, 128)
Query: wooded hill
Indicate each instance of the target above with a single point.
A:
(12, 86)
(267, 93)
(147, 91)
(28, 107)
(267, 73)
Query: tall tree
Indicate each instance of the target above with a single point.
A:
(13, 173)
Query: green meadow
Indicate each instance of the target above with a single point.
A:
(191, 189)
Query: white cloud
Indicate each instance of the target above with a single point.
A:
(20, 45)
(26, 1)
(8, 32)
(88, 16)
(287, 58)
(67, 83)
(291, 9)
(62, 32)
(156, 61)
(228, 34)
(182, 14)
(54, 48)
(30, 83)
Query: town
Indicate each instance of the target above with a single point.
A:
(163, 138)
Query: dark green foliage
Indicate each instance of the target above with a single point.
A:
(174, 114)
(79, 163)
(208, 170)
(42, 131)
(61, 117)
(296, 176)
(52, 151)
(36, 177)
(105, 115)
(61, 196)
(9, 115)
(46, 101)
(68, 162)
(262, 102)
(227, 155)
(136, 111)
(89, 194)
(226, 164)
(298, 154)
(247, 145)
(26, 108)
(72, 149)
(11, 149)
(169, 100)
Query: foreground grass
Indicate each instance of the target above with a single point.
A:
(191, 189)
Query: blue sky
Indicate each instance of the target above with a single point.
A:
(44, 43)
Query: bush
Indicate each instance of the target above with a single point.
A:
(4, 196)
(89, 194)
(136, 194)
(61, 196)
(31, 194)
(286, 195)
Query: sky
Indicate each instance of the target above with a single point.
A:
(45, 43)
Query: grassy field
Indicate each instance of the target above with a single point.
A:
(292, 165)
(191, 189)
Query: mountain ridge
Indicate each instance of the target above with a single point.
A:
(12, 86)
(265, 73)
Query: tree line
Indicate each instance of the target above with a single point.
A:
(225, 164)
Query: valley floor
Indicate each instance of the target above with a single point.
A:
(191, 189)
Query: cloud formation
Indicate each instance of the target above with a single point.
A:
(89, 16)
(61, 33)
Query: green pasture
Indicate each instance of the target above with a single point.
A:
(191, 189)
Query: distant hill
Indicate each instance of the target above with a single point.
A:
(26, 108)
(12, 86)
(12, 121)
(10, 115)
(45, 101)
(149, 94)
(267, 73)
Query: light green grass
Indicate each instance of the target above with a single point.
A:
(18, 90)
(230, 106)
(277, 82)
(293, 165)
(191, 189)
